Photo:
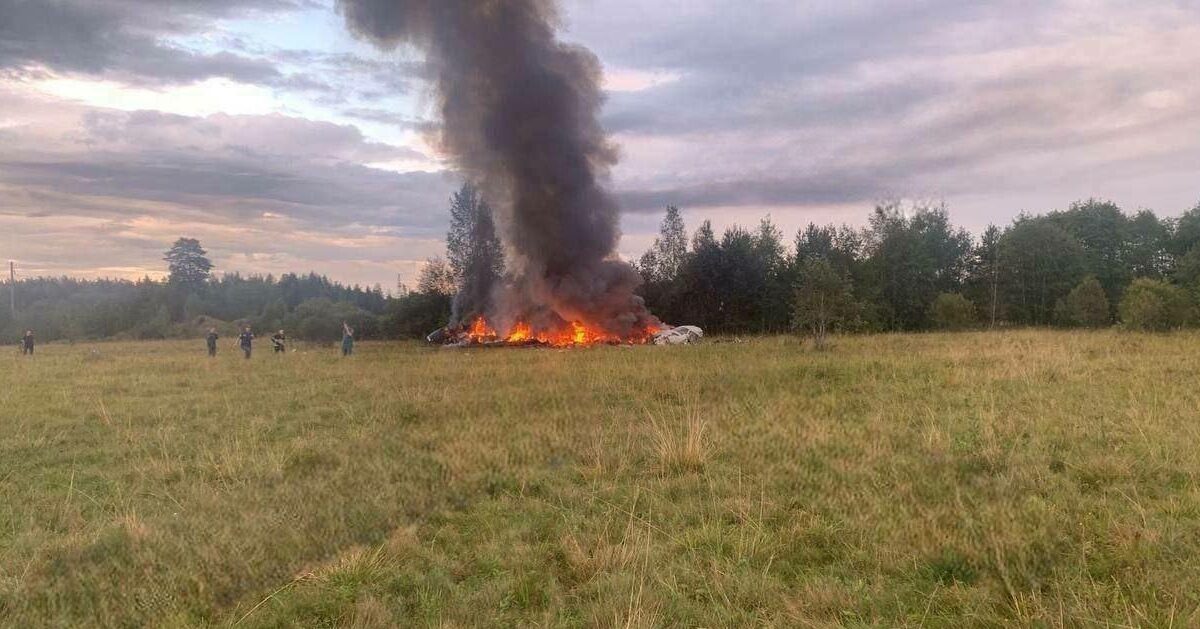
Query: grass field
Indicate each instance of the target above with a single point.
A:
(1028, 478)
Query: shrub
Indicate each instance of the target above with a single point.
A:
(1085, 306)
(1154, 305)
(321, 320)
(416, 314)
(822, 301)
(951, 311)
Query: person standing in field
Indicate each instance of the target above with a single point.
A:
(246, 341)
(347, 339)
(211, 338)
(27, 343)
(278, 341)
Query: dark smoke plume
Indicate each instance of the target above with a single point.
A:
(519, 109)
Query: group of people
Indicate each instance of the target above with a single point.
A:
(245, 341)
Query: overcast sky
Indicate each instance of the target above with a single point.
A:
(264, 129)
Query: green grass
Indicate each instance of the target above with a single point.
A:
(1029, 478)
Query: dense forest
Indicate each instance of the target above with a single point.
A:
(911, 269)
(309, 306)
(908, 269)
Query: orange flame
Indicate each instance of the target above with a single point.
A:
(480, 331)
(520, 333)
(580, 336)
(575, 334)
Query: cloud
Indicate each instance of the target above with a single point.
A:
(807, 108)
(133, 246)
(127, 39)
(296, 189)
(180, 42)
(272, 189)
(389, 117)
(264, 136)
(810, 104)
(347, 77)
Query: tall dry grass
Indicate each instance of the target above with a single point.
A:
(680, 446)
(1026, 478)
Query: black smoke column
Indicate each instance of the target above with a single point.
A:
(519, 112)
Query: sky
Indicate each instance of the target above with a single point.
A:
(266, 130)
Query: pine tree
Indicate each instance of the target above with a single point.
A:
(187, 263)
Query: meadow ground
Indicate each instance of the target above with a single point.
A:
(1027, 478)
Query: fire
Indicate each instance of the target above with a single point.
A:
(574, 334)
(521, 332)
(480, 332)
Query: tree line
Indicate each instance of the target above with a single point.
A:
(908, 269)
(191, 298)
(911, 269)
(189, 301)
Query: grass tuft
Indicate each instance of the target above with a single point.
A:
(680, 447)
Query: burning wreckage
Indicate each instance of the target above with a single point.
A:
(480, 334)
(519, 113)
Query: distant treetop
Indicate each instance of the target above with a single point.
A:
(188, 263)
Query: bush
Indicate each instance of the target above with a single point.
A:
(1156, 306)
(416, 314)
(321, 320)
(822, 301)
(951, 311)
(1085, 306)
(158, 327)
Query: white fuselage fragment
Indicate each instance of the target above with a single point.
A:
(682, 335)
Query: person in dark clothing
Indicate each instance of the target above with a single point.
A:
(246, 341)
(347, 339)
(278, 341)
(212, 341)
(27, 343)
